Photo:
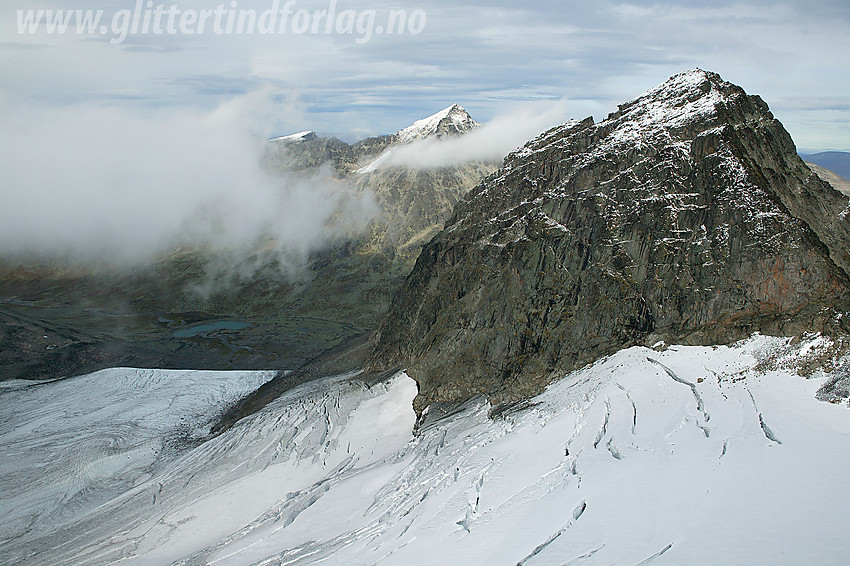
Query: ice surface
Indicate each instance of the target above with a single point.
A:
(669, 457)
(70, 445)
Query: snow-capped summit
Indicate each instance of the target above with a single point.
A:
(449, 121)
(695, 99)
(298, 137)
(692, 97)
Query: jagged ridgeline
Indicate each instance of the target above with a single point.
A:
(685, 216)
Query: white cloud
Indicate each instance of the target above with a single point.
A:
(92, 182)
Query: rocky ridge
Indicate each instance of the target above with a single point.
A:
(305, 151)
(686, 216)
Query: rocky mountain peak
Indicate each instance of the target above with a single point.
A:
(685, 216)
(449, 121)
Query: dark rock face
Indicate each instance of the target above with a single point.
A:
(685, 216)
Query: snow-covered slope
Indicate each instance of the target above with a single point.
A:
(693, 455)
(69, 446)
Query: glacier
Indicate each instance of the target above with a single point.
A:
(667, 455)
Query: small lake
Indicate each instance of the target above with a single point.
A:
(210, 327)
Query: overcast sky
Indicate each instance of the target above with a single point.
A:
(490, 57)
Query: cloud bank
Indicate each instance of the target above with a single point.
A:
(97, 183)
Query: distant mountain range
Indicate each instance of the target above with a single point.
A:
(836, 161)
